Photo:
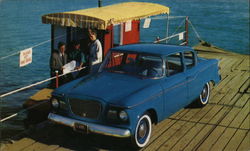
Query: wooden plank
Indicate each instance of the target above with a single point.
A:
(220, 115)
(217, 97)
(44, 94)
(224, 89)
(226, 63)
(248, 90)
(228, 97)
(235, 99)
(244, 65)
(232, 88)
(179, 114)
(191, 113)
(36, 146)
(50, 148)
(228, 67)
(198, 138)
(236, 65)
(160, 128)
(201, 113)
(230, 117)
(238, 80)
(19, 145)
(245, 99)
(224, 139)
(212, 112)
(245, 144)
(165, 136)
(245, 86)
(219, 88)
(212, 138)
(240, 117)
(185, 140)
(225, 82)
(246, 123)
(177, 136)
(236, 140)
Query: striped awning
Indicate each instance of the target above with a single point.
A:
(102, 17)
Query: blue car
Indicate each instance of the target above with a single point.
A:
(136, 86)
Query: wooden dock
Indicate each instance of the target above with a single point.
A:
(223, 124)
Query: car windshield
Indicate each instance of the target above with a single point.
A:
(143, 65)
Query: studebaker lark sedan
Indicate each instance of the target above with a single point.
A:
(136, 86)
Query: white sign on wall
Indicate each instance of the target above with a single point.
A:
(25, 57)
(128, 26)
(181, 36)
(147, 23)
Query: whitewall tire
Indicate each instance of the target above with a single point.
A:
(143, 131)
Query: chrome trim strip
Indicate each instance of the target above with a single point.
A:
(94, 128)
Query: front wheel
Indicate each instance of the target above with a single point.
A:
(204, 96)
(142, 131)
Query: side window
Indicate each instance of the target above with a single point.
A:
(189, 59)
(174, 64)
(117, 35)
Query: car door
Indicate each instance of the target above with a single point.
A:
(191, 71)
(174, 85)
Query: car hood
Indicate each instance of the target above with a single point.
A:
(112, 88)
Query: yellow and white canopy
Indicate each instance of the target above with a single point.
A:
(102, 17)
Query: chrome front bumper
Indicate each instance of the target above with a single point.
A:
(94, 128)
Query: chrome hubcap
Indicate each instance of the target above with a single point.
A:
(204, 94)
(142, 130)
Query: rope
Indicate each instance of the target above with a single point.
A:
(180, 25)
(39, 44)
(195, 31)
(172, 36)
(38, 83)
(22, 111)
(29, 86)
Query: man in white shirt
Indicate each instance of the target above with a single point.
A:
(95, 52)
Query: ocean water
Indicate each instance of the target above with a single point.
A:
(223, 23)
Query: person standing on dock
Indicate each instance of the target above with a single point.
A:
(57, 60)
(95, 49)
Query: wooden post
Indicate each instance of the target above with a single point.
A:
(186, 29)
(57, 79)
(99, 3)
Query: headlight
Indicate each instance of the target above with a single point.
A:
(55, 103)
(112, 114)
(123, 116)
(117, 115)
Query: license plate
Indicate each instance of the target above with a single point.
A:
(81, 128)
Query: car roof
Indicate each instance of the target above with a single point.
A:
(158, 49)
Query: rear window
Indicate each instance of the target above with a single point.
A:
(189, 59)
(174, 64)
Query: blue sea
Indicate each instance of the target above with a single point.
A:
(223, 23)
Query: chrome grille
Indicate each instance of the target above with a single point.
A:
(85, 108)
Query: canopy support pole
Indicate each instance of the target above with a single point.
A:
(167, 27)
(186, 29)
